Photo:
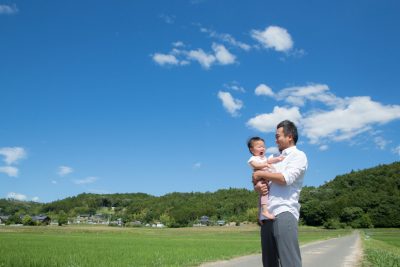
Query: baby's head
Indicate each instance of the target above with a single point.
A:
(256, 146)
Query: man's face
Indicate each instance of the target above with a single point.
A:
(281, 140)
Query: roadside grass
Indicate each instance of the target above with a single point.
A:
(381, 248)
(78, 246)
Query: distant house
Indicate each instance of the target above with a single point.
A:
(118, 222)
(98, 218)
(41, 219)
(158, 225)
(221, 222)
(204, 220)
(82, 218)
(3, 218)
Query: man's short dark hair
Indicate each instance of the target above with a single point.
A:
(289, 128)
(252, 140)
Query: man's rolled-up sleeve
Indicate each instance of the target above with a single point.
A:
(295, 168)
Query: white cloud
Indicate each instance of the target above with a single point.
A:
(231, 104)
(181, 57)
(35, 199)
(8, 10)
(178, 44)
(396, 150)
(298, 53)
(222, 55)
(235, 86)
(380, 142)
(176, 52)
(226, 38)
(267, 122)
(263, 89)
(204, 59)
(12, 154)
(64, 170)
(337, 119)
(323, 147)
(274, 37)
(344, 122)
(346, 117)
(165, 59)
(298, 95)
(169, 19)
(16, 196)
(9, 170)
(184, 62)
(272, 150)
(87, 180)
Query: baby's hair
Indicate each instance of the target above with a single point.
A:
(252, 140)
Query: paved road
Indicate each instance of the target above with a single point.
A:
(336, 252)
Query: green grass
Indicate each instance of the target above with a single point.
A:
(381, 248)
(108, 246)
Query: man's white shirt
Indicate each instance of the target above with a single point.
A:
(283, 198)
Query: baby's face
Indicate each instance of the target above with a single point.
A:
(258, 148)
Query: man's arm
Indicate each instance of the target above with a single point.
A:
(268, 176)
(295, 167)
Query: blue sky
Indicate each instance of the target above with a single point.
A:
(161, 96)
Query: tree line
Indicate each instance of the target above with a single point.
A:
(359, 199)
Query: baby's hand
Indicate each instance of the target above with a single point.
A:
(276, 159)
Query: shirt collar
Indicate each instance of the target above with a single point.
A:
(288, 150)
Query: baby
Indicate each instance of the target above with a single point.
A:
(258, 161)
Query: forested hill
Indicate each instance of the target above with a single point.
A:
(363, 198)
(174, 209)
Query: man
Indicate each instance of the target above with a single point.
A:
(279, 237)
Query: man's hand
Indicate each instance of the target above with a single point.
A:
(256, 177)
(261, 188)
(265, 176)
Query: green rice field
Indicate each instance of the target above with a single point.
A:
(381, 248)
(108, 246)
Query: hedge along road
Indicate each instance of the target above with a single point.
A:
(344, 251)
